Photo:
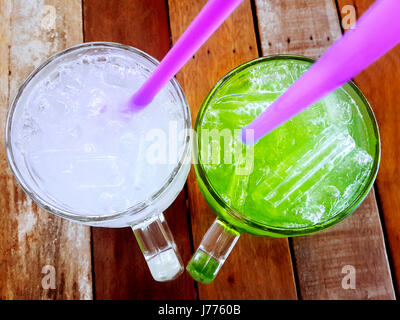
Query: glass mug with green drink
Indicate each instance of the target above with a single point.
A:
(305, 176)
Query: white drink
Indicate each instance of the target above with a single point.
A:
(80, 145)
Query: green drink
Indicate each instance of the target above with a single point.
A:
(305, 176)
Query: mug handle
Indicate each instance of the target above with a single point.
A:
(158, 247)
(214, 249)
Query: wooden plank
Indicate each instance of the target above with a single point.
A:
(356, 242)
(297, 26)
(309, 28)
(31, 31)
(258, 268)
(380, 84)
(120, 271)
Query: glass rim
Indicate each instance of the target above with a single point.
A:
(72, 214)
(236, 214)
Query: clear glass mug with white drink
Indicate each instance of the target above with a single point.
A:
(79, 153)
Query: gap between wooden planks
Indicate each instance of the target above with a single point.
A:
(30, 237)
(309, 28)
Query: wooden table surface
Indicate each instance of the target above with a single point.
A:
(106, 263)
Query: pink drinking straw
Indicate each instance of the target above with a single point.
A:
(376, 32)
(213, 14)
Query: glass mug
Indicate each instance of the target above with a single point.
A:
(145, 217)
(284, 172)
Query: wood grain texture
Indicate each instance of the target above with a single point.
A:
(120, 271)
(257, 268)
(309, 28)
(297, 26)
(357, 242)
(30, 237)
(380, 83)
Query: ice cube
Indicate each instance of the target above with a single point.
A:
(302, 170)
(91, 170)
(239, 183)
(275, 78)
(164, 266)
(97, 102)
